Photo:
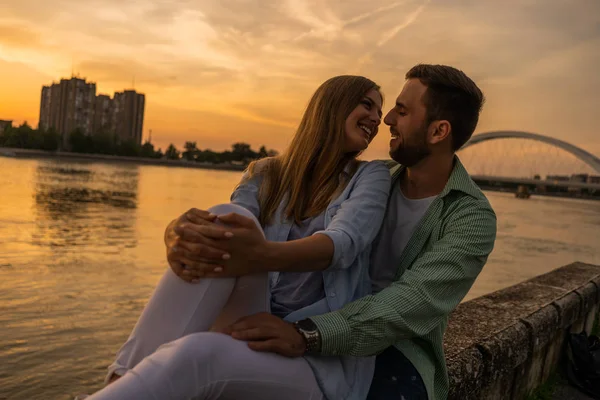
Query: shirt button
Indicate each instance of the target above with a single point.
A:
(332, 294)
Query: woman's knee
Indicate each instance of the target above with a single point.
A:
(228, 208)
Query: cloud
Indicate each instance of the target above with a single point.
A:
(18, 35)
(219, 61)
(410, 19)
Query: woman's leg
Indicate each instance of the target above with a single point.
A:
(178, 308)
(211, 365)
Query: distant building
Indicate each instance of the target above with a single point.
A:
(104, 115)
(4, 124)
(557, 178)
(593, 179)
(67, 106)
(129, 110)
(72, 104)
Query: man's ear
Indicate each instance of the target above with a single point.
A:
(439, 131)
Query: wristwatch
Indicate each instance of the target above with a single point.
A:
(309, 331)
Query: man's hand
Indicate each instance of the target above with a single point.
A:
(267, 333)
(185, 244)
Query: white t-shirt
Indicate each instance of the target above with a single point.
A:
(402, 217)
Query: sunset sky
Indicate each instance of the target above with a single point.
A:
(220, 71)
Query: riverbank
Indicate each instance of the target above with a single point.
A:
(64, 155)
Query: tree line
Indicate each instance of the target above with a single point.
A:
(26, 137)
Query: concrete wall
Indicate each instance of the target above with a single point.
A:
(505, 344)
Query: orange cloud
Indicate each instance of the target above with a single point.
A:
(19, 36)
(220, 71)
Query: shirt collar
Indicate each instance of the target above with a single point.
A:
(459, 179)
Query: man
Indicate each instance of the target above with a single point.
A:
(437, 235)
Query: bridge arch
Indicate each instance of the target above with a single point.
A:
(581, 154)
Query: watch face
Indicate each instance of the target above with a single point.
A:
(307, 325)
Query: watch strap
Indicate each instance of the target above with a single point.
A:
(310, 332)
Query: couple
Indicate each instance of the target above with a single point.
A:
(325, 277)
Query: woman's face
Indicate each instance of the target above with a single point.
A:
(363, 122)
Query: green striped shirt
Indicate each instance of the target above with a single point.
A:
(437, 268)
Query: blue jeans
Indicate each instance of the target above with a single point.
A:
(396, 378)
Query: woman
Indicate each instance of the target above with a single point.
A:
(316, 192)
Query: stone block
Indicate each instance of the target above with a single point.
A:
(481, 318)
(542, 326)
(569, 309)
(578, 326)
(596, 281)
(588, 297)
(504, 344)
(500, 388)
(464, 372)
(569, 277)
(554, 354)
(590, 319)
(527, 376)
(522, 299)
(503, 353)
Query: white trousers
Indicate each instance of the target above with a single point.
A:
(171, 353)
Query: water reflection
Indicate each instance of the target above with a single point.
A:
(83, 204)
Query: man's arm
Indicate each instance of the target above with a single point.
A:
(422, 297)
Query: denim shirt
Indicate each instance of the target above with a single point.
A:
(352, 221)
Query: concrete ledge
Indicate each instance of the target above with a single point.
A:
(465, 370)
(569, 309)
(505, 344)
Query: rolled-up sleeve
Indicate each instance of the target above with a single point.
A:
(358, 219)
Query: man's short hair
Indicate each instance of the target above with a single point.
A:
(451, 95)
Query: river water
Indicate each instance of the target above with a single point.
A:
(81, 250)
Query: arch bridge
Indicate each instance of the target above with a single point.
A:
(586, 157)
(575, 182)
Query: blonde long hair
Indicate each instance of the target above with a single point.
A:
(310, 171)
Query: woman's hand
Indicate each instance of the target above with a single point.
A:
(185, 244)
(241, 243)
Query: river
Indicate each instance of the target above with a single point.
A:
(81, 250)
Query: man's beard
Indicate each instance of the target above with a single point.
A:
(410, 154)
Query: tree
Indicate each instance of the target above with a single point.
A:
(50, 140)
(262, 152)
(242, 152)
(79, 142)
(24, 137)
(191, 151)
(172, 153)
(147, 150)
(210, 156)
(129, 148)
(105, 143)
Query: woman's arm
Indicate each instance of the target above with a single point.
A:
(353, 228)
